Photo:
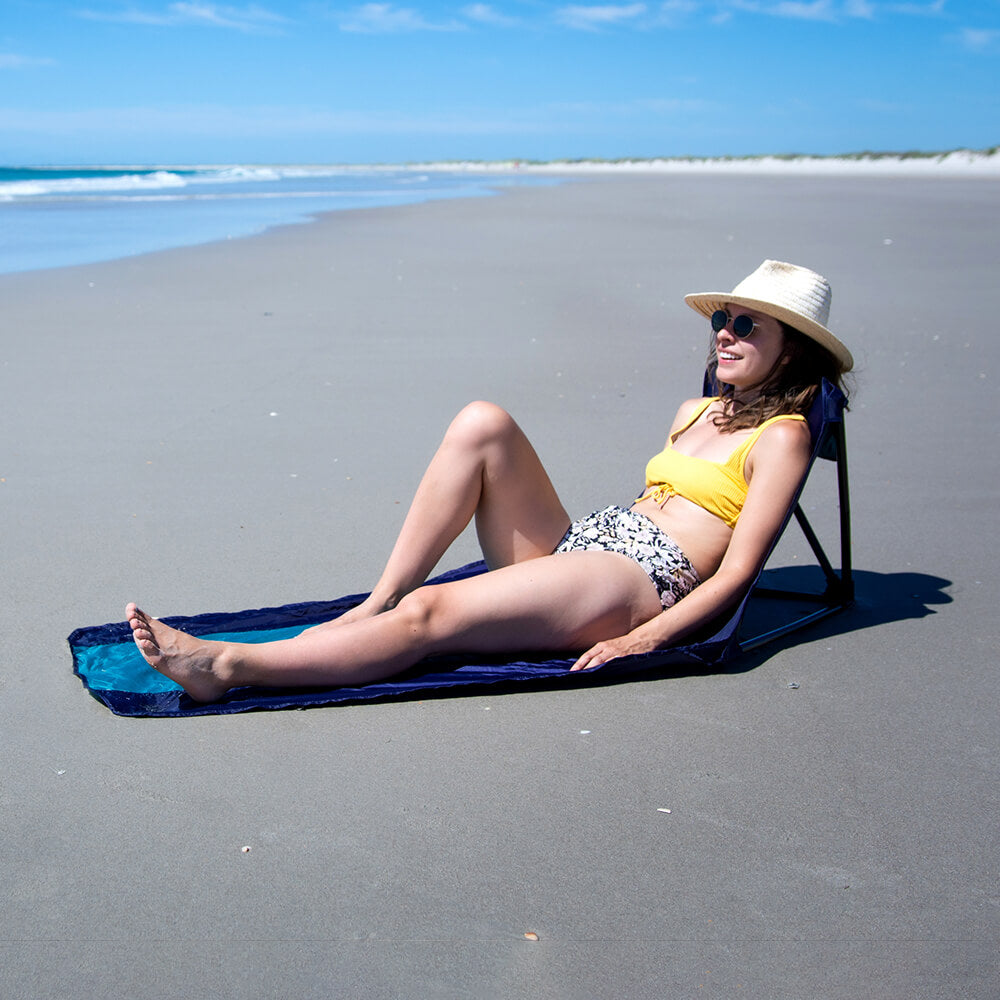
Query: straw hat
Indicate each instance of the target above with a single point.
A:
(795, 295)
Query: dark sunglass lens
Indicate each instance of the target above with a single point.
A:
(719, 319)
(743, 326)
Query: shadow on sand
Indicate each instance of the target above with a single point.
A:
(879, 598)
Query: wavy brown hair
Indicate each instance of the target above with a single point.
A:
(789, 387)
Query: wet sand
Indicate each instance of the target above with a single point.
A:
(242, 424)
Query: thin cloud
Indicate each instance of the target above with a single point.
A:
(669, 7)
(803, 10)
(817, 10)
(641, 106)
(934, 9)
(830, 10)
(11, 60)
(484, 13)
(187, 14)
(979, 39)
(883, 107)
(220, 122)
(670, 12)
(859, 8)
(594, 18)
(388, 19)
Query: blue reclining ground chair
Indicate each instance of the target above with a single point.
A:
(107, 662)
(826, 422)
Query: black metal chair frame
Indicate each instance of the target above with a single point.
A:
(826, 421)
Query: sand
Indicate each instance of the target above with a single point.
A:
(243, 423)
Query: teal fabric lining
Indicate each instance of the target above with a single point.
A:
(120, 666)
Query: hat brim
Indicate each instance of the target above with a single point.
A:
(707, 303)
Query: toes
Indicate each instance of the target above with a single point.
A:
(137, 619)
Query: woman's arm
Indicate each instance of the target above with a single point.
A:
(775, 468)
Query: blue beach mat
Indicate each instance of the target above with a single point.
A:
(111, 668)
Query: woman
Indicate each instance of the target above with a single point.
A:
(622, 581)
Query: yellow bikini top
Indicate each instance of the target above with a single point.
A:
(718, 487)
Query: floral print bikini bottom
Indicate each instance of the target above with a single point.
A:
(623, 530)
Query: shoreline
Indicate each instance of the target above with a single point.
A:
(954, 162)
(65, 217)
(956, 167)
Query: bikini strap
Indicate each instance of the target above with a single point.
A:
(702, 406)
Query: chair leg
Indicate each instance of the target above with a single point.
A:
(846, 568)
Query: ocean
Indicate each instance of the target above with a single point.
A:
(59, 216)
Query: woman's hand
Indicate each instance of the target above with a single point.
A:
(610, 649)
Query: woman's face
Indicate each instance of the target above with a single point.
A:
(746, 361)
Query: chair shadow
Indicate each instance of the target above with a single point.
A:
(879, 598)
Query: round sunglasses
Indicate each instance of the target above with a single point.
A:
(743, 325)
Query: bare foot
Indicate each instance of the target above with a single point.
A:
(199, 666)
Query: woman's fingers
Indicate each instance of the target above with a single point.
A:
(594, 657)
(611, 649)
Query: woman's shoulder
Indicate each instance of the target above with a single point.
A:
(690, 410)
(780, 437)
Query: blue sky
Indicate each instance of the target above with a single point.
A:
(147, 81)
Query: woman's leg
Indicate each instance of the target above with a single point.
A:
(560, 602)
(484, 468)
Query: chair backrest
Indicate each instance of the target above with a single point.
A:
(826, 424)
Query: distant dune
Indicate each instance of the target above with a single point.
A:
(960, 162)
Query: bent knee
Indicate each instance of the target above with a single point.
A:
(425, 612)
(481, 422)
